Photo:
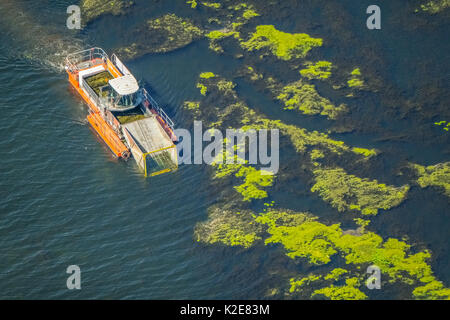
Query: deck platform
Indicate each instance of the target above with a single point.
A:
(148, 137)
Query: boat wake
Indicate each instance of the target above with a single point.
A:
(41, 44)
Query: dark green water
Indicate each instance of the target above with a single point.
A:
(65, 200)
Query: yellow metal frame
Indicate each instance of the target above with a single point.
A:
(144, 156)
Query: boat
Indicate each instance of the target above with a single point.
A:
(123, 114)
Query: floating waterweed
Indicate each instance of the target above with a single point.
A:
(348, 192)
(437, 175)
(320, 70)
(283, 45)
(193, 3)
(349, 291)
(365, 152)
(203, 89)
(229, 228)
(304, 97)
(214, 5)
(207, 75)
(355, 80)
(163, 34)
(434, 6)
(93, 9)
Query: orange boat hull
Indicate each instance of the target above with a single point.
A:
(103, 129)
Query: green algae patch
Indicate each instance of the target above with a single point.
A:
(434, 6)
(444, 124)
(193, 3)
(254, 180)
(349, 291)
(284, 46)
(249, 13)
(355, 80)
(320, 70)
(435, 176)
(192, 106)
(335, 274)
(247, 119)
(365, 152)
(299, 95)
(348, 192)
(221, 34)
(297, 284)
(434, 290)
(229, 228)
(92, 9)
(213, 5)
(203, 89)
(160, 35)
(207, 75)
(236, 18)
(304, 97)
(305, 237)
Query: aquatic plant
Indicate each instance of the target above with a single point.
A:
(305, 237)
(434, 6)
(301, 234)
(283, 45)
(92, 9)
(365, 152)
(221, 34)
(203, 89)
(254, 179)
(305, 98)
(297, 284)
(433, 290)
(436, 176)
(229, 228)
(349, 291)
(193, 107)
(348, 192)
(214, 5)
(249, 13)
(193, 3)
(163, 34)
(253, 75)
(319, 70)
(444, 124)
(335, 274)
(207, 75)
(355, 80)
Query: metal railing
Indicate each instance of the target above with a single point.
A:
(94, 55)
(158, 109)
(91, 93)
(119, 65)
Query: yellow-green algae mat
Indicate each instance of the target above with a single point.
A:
(301, 234)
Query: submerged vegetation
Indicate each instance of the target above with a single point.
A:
(283, 45)
(319, 70)
(434, 6)
(355, 79)
(304, 97)
(348, 192)
(163, 34)
(92, 9)
(434, 176)
(301, 234)
(444, 124)
(228, 228)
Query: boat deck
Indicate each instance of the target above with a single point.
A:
(151, 138)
